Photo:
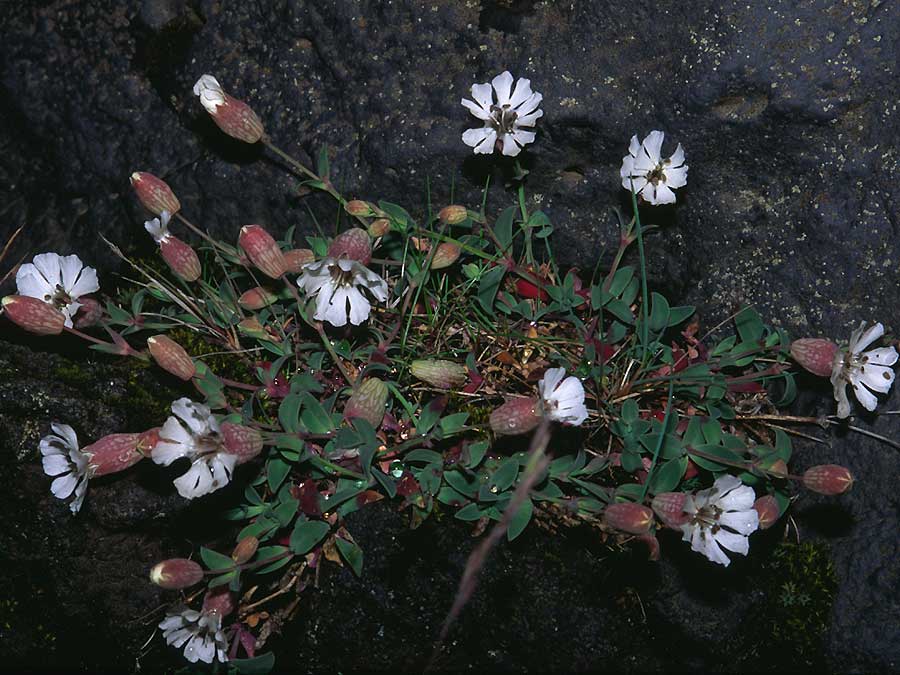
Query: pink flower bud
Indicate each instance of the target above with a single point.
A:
(828, 479)
(242, 441)
(814, 354)
(379, 227)
(35, 316)
(516, 416)
(262, 250)
(232, 116)
(219, 600)
(147, 441)
(354, 244)
(256, 298)
(357, 207)
(629, 517)
(368, 402)
(113, 453)
(89, 312)
(176, 573)
(180, 258)
(154, 193)
(439, 373)
(253, 328)
(296, 258)
(669, 507)
(769, 513)
(445, 255)
(245, 550)
(171, 357)
(453, 214)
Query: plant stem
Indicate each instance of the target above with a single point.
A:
(644, 303)
(662, 436)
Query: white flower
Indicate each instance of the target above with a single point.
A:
(504, 118)
(202, 631)
(563, 400)
(159, 227)
(194, 433)
(644, 172)
(58, 281)
(63, 458)
(337, 283)
(721, 515)
(862, 371)
(210, 92)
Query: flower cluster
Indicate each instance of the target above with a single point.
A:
(60, 281)
(508, 115)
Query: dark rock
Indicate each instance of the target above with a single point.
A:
(787, 112)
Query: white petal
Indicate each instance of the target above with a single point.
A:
(652, 146)
(481, 139)
(502, 85)
(157, 230)
(510, 149)
(174, 442)
(877, 378)
(80, 492)
(703, 542)
(733, 542)
(195, 415)
(359, 307)
(376, 285)
(737, 499)
(171, 622)
(336, 311)
(196, 482)
(521, 93)
(742, 522)
(67, 433)
(883, 356)
(48, 265)
(840, 395)
(523, 137)
(529, 107)
(649, 193)
(664, 195)
(574, 414)
(861, 342)
(676, 178)
(476, 109)
(62, 487)
(483, 95)
(634, 147)
(864, 396)
(207, 650)
(179, 637)
(552, 378)
(222, 466)
(677, 158)
(87, 283)
(634, 183)
(55, 464)
(69, 267)
(30, 283)
(530, 119)
(570, 392)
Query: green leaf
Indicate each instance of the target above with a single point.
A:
(505, 475)
(351, 553)
(503, 228)
(471, 511)
(659, 313)
(790, 391)
(322, 166)
(314, 417)
(388, 484)
(422, 455)
(452, 424)
(749, 325)
(783, 445)
(620, 281)
(215, 560)
(488, 287)
(630, 491)
(276, 471)
(289, 413)
(397, 214)
(621, 310)
(631, 461)
(476, 453)
(679, 314)
(223, 579)
(258, 665)
(667, 476)
(670, 449)
(630, 412)
(712, 432)
(520, 519)
(461, 484)
(306, 534)
(716, 451)
(266, 552)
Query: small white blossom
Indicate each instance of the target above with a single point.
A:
(193, 432)
(64, 459)
(58, 281)
(722, 515)
(508, 114)
(337, 285)
(210, 92)
(644, 172)
(159, 227)
(200, 632)
(563, 400)
(862, 370)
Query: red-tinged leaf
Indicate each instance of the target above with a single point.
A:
(408, 486)
(309, 498)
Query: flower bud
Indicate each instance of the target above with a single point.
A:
(262, 250)
(89, 312)
(242, 441)
(357, 207)
(828, 479)
(669, 507)
(171, 357)
(231, 115)
(176, 573)
(516, 416)
(180, 258)
(439, 373)
(245, 549)
(296, 258)
(113, 453)
(445, 255)
(767, 509)
(35, 316)
(774, 466)
(814, 354)
(256, 298)
(629, 517)
(254, 329)
(353, 244)
(219, 600)
(453, 214)
(147, 440)
(154, 193)
(368, 402)
(379, 227)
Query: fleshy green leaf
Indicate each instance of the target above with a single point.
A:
(306, 534)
